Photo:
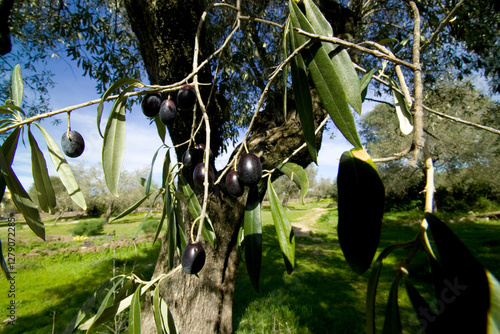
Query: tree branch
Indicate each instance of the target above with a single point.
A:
(375, 53)
(441, 26)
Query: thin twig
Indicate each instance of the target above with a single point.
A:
(441, 26)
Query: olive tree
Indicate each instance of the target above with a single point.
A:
(279, 71)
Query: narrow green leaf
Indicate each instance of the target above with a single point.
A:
(3, 264)
(252, 228)
(104, 304)
(130, 209)
(168, 323)
(194, 207)
(494, 310)
(466, 293)
(44, 190)
(63, 170)
(363, 84)
(17, 86)
(157, 310)
(302, 94)
(9, 147)
(12, 109)
(371, 293)
(113, 147)
(115, 86)
(284, 229)
(392, 321)
(341, 61)
(422, 308)
(86, 308)
(298, 175)
(327, 81)
(134, 319)
(166, 169)
(160, 128)
(179, 219)
(150, 177)
(21, 199)
(361, 198)
(171, 227)
(402, 44)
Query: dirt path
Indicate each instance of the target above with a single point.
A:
(303, 226)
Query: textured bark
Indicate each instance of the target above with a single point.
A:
(204, 304)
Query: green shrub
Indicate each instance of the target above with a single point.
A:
(88, 227)
(150, 226)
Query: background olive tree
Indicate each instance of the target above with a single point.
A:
(235, 54)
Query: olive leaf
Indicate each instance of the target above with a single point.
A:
(17, 86)
(392, 321)
(44, 190)
(298, 175)
(134, 319)
(361, 198)
(284, 229)
(252, 229)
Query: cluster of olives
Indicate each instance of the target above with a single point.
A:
(193, 164)
(72, 144)
(247, 173)
(153, 105)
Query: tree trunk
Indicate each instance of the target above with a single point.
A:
(166, 31)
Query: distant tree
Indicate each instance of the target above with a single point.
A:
(464, 155)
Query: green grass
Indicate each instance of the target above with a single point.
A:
(322, 295)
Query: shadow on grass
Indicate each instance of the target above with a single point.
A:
(322, 295)
(71, 296)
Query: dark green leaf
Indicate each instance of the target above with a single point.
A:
(134, 319)
(113, 147)
(329, 84)
(465, 296)
(342, 64)
(284, 229)
(21, 199)
(166, 169)
(365, 80)
(104, 304)
(252, 228)
(17, 86)
(298, 175)
(361, 198)
(194, 207)
(171, 226)
(422, 308)
(150, 177)
(3, 264)
(44, 190)
(63, 170)
(392, 321)
(9, 147)
(302, 94)
(402, 44)
(160, 128)
(86, 308)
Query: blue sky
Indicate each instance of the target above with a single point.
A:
(72, 88)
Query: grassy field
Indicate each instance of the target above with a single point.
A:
(321, 296)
